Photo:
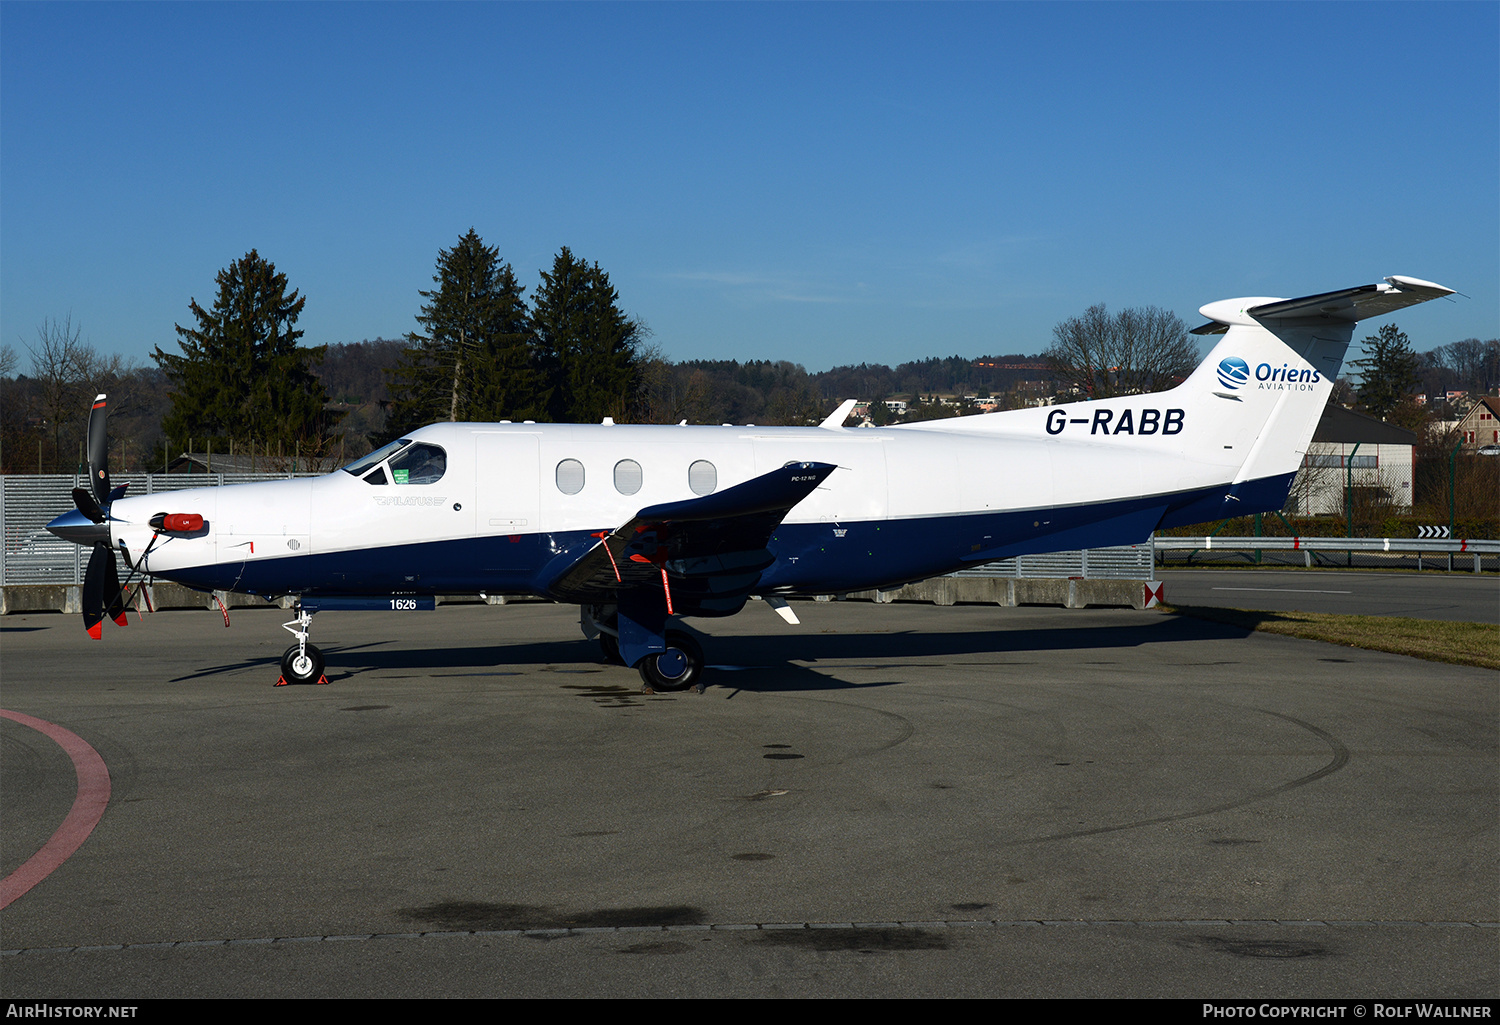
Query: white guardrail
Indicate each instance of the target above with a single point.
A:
(1424, 546)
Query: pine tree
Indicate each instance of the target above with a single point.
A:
(1388, 371)
(475, 360)
(241, 374)
(585, 342)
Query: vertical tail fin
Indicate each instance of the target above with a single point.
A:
(1228, 439)
(1279, 359)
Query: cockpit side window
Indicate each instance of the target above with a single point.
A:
(419, 464)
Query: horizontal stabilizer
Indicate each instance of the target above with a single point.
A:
(1347, 304)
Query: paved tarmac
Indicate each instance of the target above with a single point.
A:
(1436, 564)
(890, 800)
(1464, 597)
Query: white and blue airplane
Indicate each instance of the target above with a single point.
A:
(639, 525)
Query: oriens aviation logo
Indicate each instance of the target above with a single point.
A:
(1234, 373)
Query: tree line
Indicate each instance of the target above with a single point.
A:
(484, 351)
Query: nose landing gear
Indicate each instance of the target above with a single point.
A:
(301, 663)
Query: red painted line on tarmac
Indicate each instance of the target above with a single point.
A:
(88, 808)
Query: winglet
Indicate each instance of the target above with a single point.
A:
(836, 419)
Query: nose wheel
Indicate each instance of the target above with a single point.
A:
(301, 663)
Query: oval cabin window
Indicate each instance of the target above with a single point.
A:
(570, 476)
(703, 478)
(627, 476)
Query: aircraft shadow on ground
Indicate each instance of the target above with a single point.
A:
(775, 661)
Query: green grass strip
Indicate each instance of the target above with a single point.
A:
(1463, 644)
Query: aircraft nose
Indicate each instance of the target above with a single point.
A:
(75, 527)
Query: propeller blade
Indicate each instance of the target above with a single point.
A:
(115, 607)
(86, 505)
(99, 451)
(93, 590)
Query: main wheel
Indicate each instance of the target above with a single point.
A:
(677, 668)
(297, 667)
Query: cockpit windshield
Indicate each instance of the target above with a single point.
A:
(408, 462)
(380, 455)
(419, 464)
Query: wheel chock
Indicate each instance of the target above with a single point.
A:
(322, 681)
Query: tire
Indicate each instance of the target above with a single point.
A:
(298, 669)
(677, 668)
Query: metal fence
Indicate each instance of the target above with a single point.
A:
(30, 555)
(1130, 562)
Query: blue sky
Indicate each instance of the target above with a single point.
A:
(825, 183)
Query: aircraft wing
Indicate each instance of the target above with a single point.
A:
(706, 553)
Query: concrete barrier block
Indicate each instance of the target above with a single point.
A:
(238, 601)
(1008, 591)
(174, 596)
(166, 595)
(1111, 593)
(67, 598)
(1043, 592)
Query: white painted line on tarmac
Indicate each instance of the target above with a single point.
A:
(1280, 590)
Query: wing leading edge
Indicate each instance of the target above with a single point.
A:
(704, 554)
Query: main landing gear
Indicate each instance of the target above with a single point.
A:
(679, 667)
(301, 663)
(668, 660)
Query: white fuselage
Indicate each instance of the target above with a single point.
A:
(904, 502)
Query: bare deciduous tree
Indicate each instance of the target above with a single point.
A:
(54, 365)
(1473, 363)
(1142, 349)
(68, 372)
